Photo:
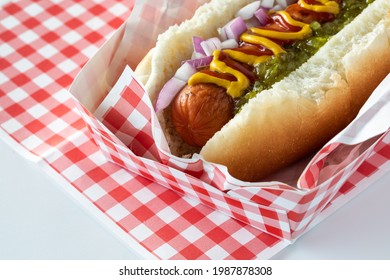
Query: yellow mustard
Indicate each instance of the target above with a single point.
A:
(301, 34)
(326, 7)
(254, 59)
(233, 88)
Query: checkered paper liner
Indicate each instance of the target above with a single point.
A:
(138, 145)
(276, 208)
(44, 44)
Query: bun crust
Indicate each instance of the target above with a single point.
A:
(300, 113)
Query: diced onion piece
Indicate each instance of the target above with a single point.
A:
(285, 3)
(229, 44)
(168, 92)
(253, 22)
(196, 55)
(174, 85)
(277, 8)
(196, 42)
(200, 62)
(233, 29)
(268, 4)
(185, 71)
(247, 11)
(210, 45)
(222, 34)
(262, 15)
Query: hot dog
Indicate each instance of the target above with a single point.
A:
(297, 76)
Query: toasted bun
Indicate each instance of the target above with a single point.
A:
(298, 114)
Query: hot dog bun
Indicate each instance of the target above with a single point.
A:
(297, 115)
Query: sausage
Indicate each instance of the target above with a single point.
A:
(199, 111)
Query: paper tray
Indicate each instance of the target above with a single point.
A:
(127, 131)
(44, 121)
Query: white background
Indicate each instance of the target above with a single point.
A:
(39, 220)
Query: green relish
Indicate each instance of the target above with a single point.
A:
(297, 53)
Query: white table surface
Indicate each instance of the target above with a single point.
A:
(39, 220)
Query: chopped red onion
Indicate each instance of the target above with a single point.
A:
(229, 44)
(222, 34)
(174, 85)
(253, 22)
(262, 15)
(200, 62)
(210, 45)
(168, 93)
(277, 8)
(185, 71)
(233, 29)
(285, 3)
(196, 55)
(269, 4)
(247, 11)
(196, 42)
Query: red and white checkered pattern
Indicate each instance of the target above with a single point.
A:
(278, 209)
(181, 182)
(143, 197)
(131, 118)
(41, 116)
(43, 46)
